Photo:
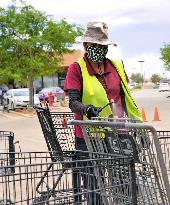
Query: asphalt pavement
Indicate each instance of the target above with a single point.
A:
(27, 130)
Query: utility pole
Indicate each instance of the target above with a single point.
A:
(142, 71)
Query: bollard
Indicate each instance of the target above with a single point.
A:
(50, 99)
(64, 96)
(44, 100)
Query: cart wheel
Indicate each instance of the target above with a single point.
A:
(6, 202)
(38, 201)
(41, 200)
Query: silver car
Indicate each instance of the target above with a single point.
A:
(164, 87)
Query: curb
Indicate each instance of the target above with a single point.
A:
(16, 114)
(25, 115)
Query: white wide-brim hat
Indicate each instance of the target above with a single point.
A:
(96, 32)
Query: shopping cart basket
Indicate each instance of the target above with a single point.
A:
(53, 143)
(6, 141)
(53, 139)
(64, 131)
(58, 122)
(107, 179)
(7, 146)
(164, 139)
(134, 140)
(163, 136)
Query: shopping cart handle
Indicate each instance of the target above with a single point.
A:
(96, 123)
(111, 124)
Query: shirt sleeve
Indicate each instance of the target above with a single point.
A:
(73, 87)
(74, 78)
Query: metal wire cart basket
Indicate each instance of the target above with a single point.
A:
(38, 179)
(127, 163)
(54, 143)
(6, 141)
(140, 142)
(7, 146)
(164, 140)
(64, 131)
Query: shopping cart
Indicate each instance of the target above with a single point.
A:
(108, 179)
(64, 131)
(6, 141)
(53, 143)
(164, 139)
(7, 146)
(58, 122)
(163, 136)
(134, 140)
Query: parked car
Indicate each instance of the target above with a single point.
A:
(156, 86)
(57, 93)
(132, 85)
(164, 87)
(19, 98)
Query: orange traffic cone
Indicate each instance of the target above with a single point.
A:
(143, 115)
(156, 115)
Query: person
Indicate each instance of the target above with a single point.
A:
(94, 81)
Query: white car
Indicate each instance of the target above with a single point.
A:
(132, 85)
(164, 87)
(19, 98)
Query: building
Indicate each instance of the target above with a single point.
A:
(67, 60)
(58, 79)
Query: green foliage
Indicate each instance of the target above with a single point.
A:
(165, 55)
(138, 86)
(137, 77)
(155, 78)
(31, 44)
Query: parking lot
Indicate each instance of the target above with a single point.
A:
(27, 130)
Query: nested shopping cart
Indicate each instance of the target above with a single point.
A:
(6, 141)
(7, 145)
(104, 179)
(164, 139)
(124, 195)
(134, 140)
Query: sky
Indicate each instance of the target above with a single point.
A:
(139, 27)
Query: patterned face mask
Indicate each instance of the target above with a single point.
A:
(96, 54)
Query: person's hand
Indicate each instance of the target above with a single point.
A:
(92, 111)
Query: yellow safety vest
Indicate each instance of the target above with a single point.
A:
(91, 86)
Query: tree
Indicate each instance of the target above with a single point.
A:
(137, 77)
(32, 44)
(155, 78)
(165, 55)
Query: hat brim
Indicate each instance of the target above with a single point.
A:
(103, 42)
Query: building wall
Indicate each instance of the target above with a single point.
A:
(46, 81)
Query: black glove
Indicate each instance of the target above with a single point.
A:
(92, 111)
